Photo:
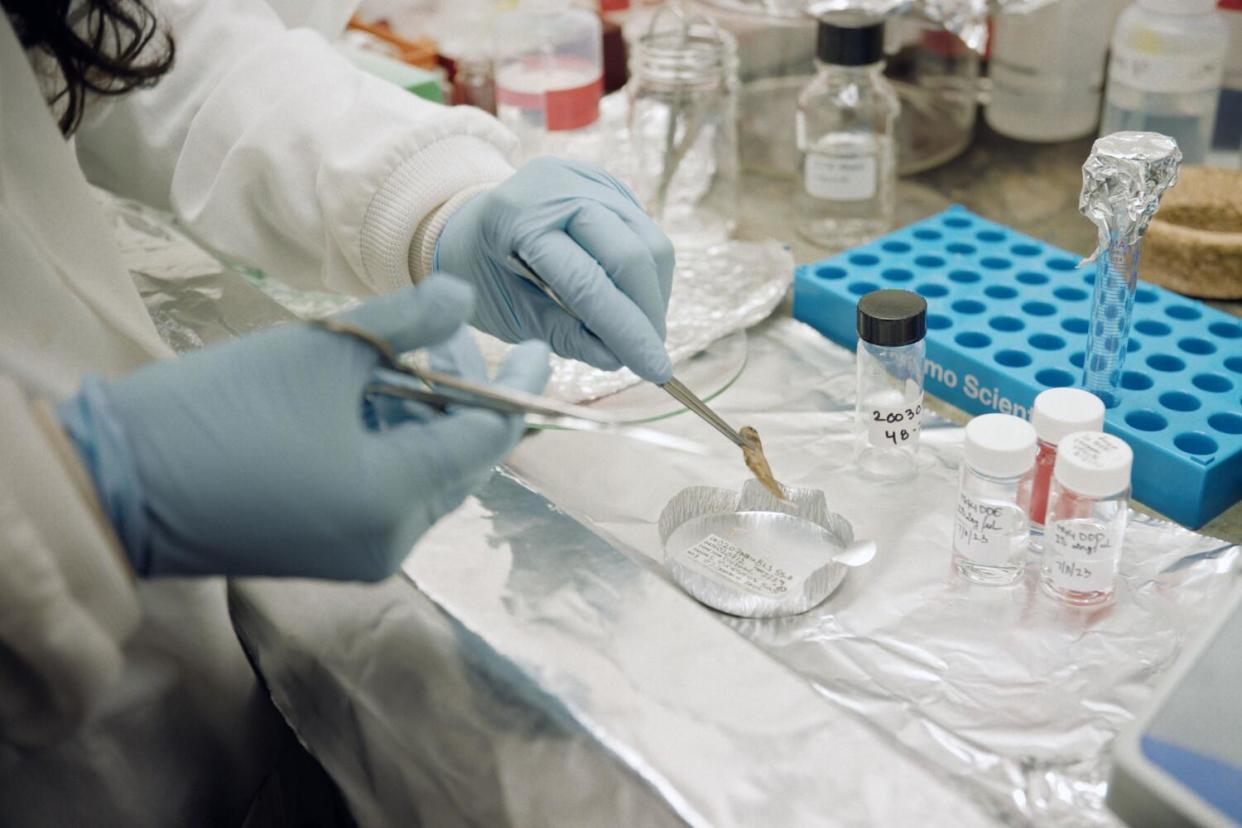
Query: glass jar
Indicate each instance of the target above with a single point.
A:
(683, 127)
(888, 412)
(845, 125)
(1086, 520)
(1056, 413)
(990, 527)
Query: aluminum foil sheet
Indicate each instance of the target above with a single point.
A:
(755, 556)
(1013, 697)
(192, 298)
(1122, 181)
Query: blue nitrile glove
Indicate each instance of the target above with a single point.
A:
(586, 235)
(254, 457)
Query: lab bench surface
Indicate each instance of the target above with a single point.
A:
(1032, 188)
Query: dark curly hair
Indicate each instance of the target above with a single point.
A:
(102, 47)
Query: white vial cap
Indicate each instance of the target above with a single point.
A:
(1094, 464)
(1179, 6)
(1061, 411)
(1000, 445)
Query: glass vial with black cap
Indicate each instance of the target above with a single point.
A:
(889, 410)
(845, 123)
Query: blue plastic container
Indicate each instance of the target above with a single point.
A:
(1007, 318)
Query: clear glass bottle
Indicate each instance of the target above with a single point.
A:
(845, 125)
(1168, 60)
(1086, 521)
(683, 127)
(549, 74)
(990, 527)
(888, 412)
(1047, 69)
(1056, 413)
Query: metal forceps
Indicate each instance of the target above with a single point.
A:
(440, 391)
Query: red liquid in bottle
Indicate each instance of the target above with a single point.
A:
(1037, 507)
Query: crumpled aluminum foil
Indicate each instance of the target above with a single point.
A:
(787, 563)
(968, 19)
(1122, 181)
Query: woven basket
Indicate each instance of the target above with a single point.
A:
(1194, 242)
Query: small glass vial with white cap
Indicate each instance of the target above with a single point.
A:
(990, 527)
(889, 409)
(1086, 520)
(1057, 412)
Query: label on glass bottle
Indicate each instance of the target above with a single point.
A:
(1081, 556)
(1165, 73)
(983, 530)
(841, 177)
(889, 426)
(735, 564)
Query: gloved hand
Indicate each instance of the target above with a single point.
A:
(254, 457)
(586, 235)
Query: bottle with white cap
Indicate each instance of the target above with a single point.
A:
(1057, 413)
(1165, 73)
(990, 527)
(1086, 520)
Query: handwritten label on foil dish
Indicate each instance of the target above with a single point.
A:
(735, 564)
(1083, 556)
(982, 530)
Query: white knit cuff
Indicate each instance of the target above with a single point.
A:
(422, 255)
(421, 185)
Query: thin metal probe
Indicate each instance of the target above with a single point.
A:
(675, 387)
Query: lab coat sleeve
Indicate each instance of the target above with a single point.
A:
(67, 598)
(276, 152)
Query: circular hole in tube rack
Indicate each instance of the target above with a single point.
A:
(960, 248)
(1075, 325)
(862, 288)
(830, 272)
(1089, 279)
(1132, 345)
(1226, 423)
(1180, 401)
(1212, 383)
(1054, 378)
(1165, 362)
(1013, 359)
(1234, 364)
(1183, 312)
(1025, 250)
(996, 263)
(1030, 277)
(964, 277)
(864, 259)
(969, 306)
(973, 339)
(1145, 420)
(938, 322)
(1047, 342)
(1062, 264)
(1145, 296)
(1070, 294)
(1134, 381)
(1000, 291)
(1039, 309)
(1195, 345)
(932, 291)
(927, 234)
(990, 236)
(897, 274)
(929, 261)
(957, 221)
(1006, 324)
(1150, 327)
(1078, 359)
(894, 246)
(1226, 330)
(1195, 442)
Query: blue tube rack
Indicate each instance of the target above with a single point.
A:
(1008, 317)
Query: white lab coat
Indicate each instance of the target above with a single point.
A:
(126, 703)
